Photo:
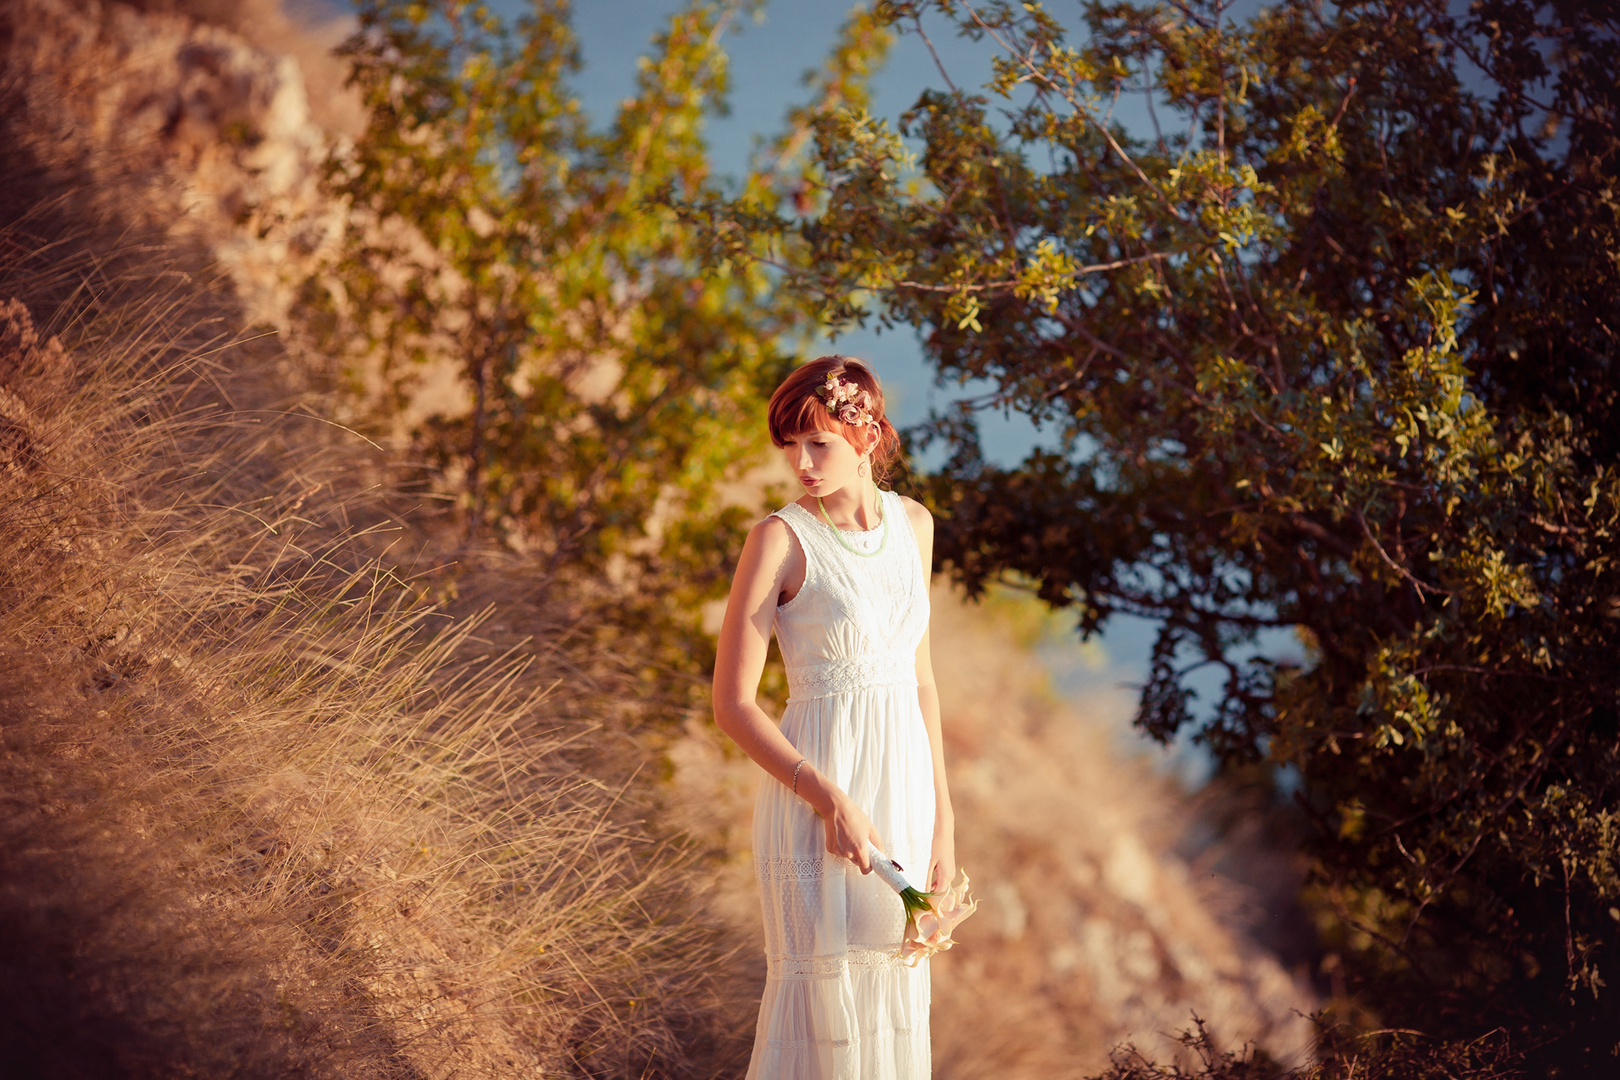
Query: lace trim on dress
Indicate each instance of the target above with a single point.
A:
(855, 673)
(790, 867)
(829, 967)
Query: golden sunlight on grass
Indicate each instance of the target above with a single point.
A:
(266, 804)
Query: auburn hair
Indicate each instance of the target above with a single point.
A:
(796, 408)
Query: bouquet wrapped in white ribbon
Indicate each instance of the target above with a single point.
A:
(930, 917)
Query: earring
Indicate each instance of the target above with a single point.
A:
(864, 469)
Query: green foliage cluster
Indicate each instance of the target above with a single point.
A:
(616, 381)
(1329, 344)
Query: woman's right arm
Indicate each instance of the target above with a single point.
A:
(739, 661)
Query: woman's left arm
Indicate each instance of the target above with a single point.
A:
(942, 860)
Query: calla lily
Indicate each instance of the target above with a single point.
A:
(930, 917)
(946, 911)
(913, 951)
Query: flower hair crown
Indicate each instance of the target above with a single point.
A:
(846, 401)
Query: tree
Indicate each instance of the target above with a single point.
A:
(614, 383)
(1332, 348)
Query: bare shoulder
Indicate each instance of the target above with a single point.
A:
(922, 522)
(771, 534)
(771, 543)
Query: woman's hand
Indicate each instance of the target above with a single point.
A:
(849, 830)
(942, 859)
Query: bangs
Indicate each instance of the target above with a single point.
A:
(789, 419)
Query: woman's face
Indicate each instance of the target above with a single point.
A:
(824, 461)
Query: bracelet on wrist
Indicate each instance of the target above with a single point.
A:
(802, 763)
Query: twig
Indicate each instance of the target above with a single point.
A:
(1392, 564)
(990, 286)
(917, 22)
(1102, 129)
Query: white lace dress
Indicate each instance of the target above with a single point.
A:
(838, 1004)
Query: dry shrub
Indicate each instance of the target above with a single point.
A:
(1346, 1055)
(308, 32)
(269, 811)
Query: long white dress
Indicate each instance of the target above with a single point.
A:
(838, 1004)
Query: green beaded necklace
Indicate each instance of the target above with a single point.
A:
(884, 525)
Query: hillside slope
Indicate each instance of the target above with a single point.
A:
(284, 794)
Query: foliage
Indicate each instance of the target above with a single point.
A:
(1328, 341)
(616, 385)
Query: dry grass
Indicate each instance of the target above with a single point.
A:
(1369, 1055)
(269, 810)
(293, 784)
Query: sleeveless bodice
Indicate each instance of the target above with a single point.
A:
(856, 622)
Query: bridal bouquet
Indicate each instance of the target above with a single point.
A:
(930, 917)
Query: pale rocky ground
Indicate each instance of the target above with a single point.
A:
(220, 138)
(220, 128)
(1093, 929)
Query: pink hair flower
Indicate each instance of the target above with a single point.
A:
(847, 401)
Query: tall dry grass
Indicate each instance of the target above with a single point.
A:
(276, 803)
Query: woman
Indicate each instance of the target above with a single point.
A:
(842, 576)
